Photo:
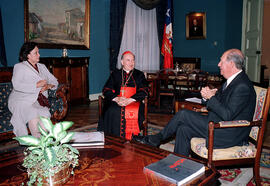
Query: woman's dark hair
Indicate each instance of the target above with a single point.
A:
(26, 48)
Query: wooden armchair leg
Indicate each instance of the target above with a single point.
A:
(256, 174)
(100, 105)
(145, 128)
(145, 122)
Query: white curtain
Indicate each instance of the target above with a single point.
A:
(140, 37)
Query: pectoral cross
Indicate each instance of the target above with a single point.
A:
(122, 92)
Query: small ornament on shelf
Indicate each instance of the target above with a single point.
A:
(64, 52)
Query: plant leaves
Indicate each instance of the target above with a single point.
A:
(68, 137)
(37, 151)
(48, 142)
(49, 155)
(67, 124)
(74, 150)
(47, 123)
(32, 148)
(42, 131)
(62, 135)
(28, 140)
(57, 129)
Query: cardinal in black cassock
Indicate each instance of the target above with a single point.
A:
(124, 91)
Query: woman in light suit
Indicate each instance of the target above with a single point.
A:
(28, 99)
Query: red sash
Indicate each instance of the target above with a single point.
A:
(131, 113)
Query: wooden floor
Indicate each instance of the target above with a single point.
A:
(83, 115)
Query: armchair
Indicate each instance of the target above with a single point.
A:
(57, 100)
(166, 85)
(145, 101)
(238, 155)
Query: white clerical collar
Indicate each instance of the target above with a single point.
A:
(126, 71)
(229, 80)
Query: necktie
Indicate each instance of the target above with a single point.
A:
(224, 86)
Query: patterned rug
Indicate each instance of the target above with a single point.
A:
(229, 177)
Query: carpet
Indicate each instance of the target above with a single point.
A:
(229, 177)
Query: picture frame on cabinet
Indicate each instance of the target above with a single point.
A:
(63, 24)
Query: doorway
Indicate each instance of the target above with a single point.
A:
(265, 60)
(256, 40)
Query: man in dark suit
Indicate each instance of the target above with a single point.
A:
(234, 101)
(195, 29)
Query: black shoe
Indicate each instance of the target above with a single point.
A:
(145, 140)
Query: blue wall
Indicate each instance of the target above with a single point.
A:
(224, 26)
(13, 27)
(223, 19)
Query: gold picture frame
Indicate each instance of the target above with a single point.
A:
(58, 24)
(196, 25)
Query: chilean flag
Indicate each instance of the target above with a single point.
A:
(166, 49)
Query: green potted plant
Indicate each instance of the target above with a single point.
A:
(49, 159)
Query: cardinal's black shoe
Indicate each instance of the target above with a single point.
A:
(146, 140)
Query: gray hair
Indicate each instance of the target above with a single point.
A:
(237, 57)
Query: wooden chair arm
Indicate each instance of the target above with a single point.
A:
(237, 123)
(225, 124)
(145, 122)
(100, 105)
(61, 93)
(202, 110)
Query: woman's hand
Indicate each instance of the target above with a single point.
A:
(46, 87)
(41, 83)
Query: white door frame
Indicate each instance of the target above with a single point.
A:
(252, 38)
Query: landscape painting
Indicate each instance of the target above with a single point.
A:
(58, 23)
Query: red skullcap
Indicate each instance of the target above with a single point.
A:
(127, 52)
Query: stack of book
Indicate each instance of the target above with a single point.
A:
(175, 169)
(81, 139)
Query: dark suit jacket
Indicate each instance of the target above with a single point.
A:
(236, 102)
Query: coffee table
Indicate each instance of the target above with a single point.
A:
(118, 162)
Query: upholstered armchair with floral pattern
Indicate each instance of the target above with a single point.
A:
(247, 154)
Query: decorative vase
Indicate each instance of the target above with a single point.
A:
(59, 178)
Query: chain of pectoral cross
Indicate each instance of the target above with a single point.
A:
(125, 84)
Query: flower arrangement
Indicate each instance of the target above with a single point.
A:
(47, 155)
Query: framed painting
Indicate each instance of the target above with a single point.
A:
(196, 25)
(58, 23)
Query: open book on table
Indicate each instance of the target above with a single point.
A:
(81, 139)
(176, 169)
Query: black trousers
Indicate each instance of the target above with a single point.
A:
(185, 124)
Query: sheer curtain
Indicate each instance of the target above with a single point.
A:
(140, 36)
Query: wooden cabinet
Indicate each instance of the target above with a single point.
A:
(72, 71)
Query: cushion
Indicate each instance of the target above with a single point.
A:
(5, 125)
(261, 96)
(5, 90)
(198, 145)
(56, 104)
